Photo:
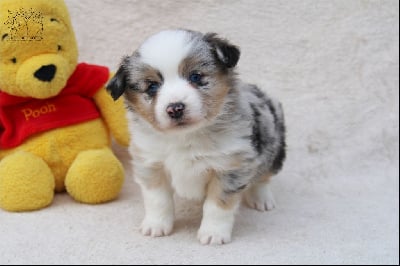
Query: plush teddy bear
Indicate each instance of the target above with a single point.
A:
(56, 117)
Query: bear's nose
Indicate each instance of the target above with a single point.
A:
(46, 73)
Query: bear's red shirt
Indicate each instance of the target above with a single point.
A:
(21, 117)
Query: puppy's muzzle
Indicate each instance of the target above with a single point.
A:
(176, 110)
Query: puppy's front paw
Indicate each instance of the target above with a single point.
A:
(212, 235)
(260, 198)
(156, 227)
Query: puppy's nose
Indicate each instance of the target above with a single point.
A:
(176, 110)
(46, 73)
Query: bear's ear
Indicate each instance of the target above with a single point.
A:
(226, 53)
(4, 37)
(117, 85)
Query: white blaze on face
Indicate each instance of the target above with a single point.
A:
(165, 52)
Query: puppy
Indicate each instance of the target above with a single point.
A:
(197, 130)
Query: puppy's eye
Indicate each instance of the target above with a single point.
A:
(152, 89)
(59, 48)
(196, 78)
(14, 60)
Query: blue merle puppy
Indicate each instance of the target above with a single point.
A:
(198, 131)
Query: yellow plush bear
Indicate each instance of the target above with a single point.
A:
(55, 114)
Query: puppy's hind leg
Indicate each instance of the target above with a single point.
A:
(259, 195)
(158, 202)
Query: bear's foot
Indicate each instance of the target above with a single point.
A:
(26, 183)
(96, 176)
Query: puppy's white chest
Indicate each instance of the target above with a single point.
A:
(189, 160)
(188, 176)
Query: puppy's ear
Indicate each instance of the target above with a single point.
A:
(117, 85)
(227, 54)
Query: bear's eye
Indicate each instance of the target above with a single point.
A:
(59, 48)
(14, 60)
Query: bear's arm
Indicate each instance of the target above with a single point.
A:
(114, 114)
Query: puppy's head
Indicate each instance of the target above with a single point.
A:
(177, 79)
